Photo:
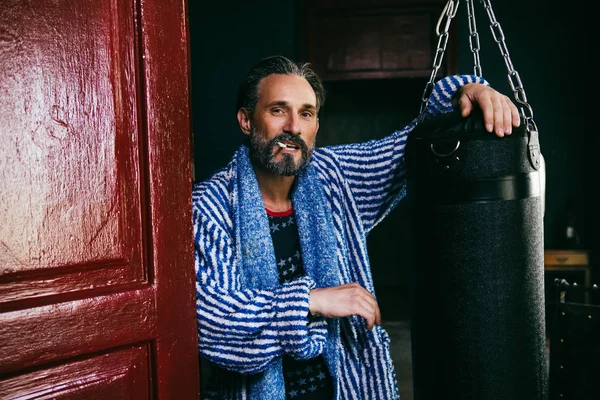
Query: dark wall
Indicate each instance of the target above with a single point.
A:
(227, 38)
(543, 41)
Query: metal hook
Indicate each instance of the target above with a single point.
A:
(449, 10)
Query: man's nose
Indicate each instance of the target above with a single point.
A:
(292, 125)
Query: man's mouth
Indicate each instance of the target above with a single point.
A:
(287, 145)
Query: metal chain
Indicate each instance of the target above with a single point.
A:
(449, 12)
(473, 38)
(514, 78)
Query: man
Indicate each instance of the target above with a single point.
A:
(285, 298)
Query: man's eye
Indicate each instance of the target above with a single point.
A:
(277, 111)
(307, 115)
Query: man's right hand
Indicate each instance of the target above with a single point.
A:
(345, 300)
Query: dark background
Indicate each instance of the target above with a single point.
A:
(548, 45)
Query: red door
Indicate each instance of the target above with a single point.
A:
(96, 263)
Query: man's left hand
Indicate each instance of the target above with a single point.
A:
(500, 114)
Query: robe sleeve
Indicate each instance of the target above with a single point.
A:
(375, 172)
(240, 329)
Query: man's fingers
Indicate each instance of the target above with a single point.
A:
(508, 124)
(345, 300)
(369, 313)
(514, 111)
(465, 105)
(375, 306)
(487, 109)
(499, 126)
(500, 114)
(370, 309)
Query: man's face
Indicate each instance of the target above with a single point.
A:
(284, 124)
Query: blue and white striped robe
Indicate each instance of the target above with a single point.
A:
(246, 319)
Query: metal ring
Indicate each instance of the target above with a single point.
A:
(444, 154)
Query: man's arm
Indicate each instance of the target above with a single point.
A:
(241, 329)
(374, 171)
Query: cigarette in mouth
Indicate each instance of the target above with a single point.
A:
(286, 146)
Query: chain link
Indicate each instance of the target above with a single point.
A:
(514, 79)
(449, 12)
(474, 38)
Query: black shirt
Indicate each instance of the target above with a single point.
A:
(304, 379)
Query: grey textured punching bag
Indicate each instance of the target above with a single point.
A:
(478, 329)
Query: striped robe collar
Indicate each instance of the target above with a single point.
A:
(255, 247)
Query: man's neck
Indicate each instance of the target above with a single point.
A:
(275, 190)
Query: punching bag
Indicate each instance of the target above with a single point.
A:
(478, 329)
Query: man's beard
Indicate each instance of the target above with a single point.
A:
(263, 154)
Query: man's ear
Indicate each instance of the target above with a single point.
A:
(243, 117)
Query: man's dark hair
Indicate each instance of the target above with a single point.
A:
(247, 96)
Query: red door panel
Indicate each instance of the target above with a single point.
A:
(122, 374)
(66, 329)
(97, 292)
(72, 193)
